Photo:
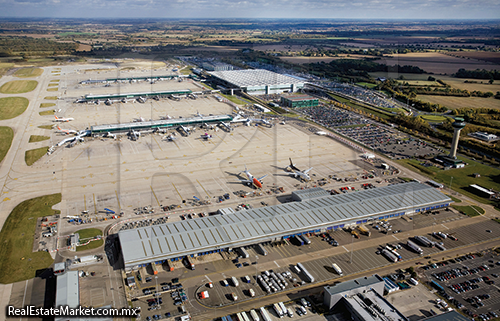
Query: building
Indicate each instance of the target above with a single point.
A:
(156, 124)
(295, 101)
(448, 161)
(145, 94)
(59, 268)
(334, 293)
(309, 194)
(458, 125)
(67, 292)
(481, 191)
(213, 234)
(216, 66)
(447, 316)
(371, 306)
(484, 136)
(256, 81)
(390, 286)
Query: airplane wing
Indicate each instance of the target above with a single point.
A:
(307, 171)
(261, 178)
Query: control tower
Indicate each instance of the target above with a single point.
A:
(458, 124)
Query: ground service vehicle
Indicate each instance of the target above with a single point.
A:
(306, 273)
(414, 247)
(235, 281)
(364, 230)
(254, 315)
(389, 255)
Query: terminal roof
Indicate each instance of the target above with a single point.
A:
(254, 77)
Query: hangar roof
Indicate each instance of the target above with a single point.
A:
(172, 240)
(254, 77)
(67, 292)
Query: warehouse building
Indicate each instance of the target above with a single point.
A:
(156, 124)
(173, 241)
(256, 81)
(295, 101)
(334, 293)
(146, 94)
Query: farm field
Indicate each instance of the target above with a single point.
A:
(18, 86)
(437, 63)
(461, 84)
(461, 102)
(493, 57)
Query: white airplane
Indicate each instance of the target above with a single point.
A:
(111, 135)
(166, 117)
(140, 119)
(142, 99)
(304, 175)
(206, 136)
(62, 119)
(67, 131)
(198, 114)
(251, 180)
(169, 138)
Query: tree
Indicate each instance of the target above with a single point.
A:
(491, 81)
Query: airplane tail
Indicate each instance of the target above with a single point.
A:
(59, 128)
(291, 163)
(56, 117)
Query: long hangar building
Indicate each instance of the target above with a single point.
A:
(314, 211)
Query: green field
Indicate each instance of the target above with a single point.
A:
(433, 118)
(366, 84)
(46, 126)
(236, 100)
(52, 89)
(462, 177)
(6, 136)
(53, 85)
(18, 262)
(92, 245)
(45, 105)
(37, 138)
(18, 86)
(11, 107)
(89, 233)
(471, 210)
(46, 112)
(28, 72)
(32, 155)
(51, 98)
(4, 67)
(54, 80)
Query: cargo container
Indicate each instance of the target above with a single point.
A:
(235, 281)
(265, 315)
(261, 249)
(254, 315)
(424, 241)
(306, 239)
(414, 247)
(389, 255)
(337, 269)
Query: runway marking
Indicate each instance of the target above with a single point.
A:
(208, 278)
(345, 248)
(154, 194)
(203, 188)
(177, 191)
(157, 142)
(394, 236)
(80, 154)
(445, 226)
(276, 263)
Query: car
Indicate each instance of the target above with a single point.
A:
(167, 315)
(489, 231)
(149, 279)
(238, 265)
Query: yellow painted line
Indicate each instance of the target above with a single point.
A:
(80, 154)
(203, 188)
(95, 206)
(155, 195)
(118, 199)
(157, 143)
(177, 192)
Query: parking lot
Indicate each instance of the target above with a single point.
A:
(469, 282)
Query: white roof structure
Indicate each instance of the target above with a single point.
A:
(67, 292)
(214, 233)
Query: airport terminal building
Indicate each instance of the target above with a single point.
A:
(257, 81)
(313, 213)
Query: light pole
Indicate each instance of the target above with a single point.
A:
(451, 180)
(256, 260)
(157, 294)
(352, 246)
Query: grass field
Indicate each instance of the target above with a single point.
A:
(11, 107)
(37, 138)
(46, 126)
(460, 102)
(92, 245)
(6, 136)
(88, 234)
(17, 261)
(18, 86)
(456, 200)
(471, 210)
(32, 155)
(28, 72)
(51, 98)
(53, 85)
(4, 67)
(366, 84)
(46, 112)
(53, 89)
(462, 177)
(236, 100)
(45, 105)
(54, 80)
(433, 118)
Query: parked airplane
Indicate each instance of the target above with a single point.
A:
(166, 117)
(304, 175)
(140, 119)
(251, 180)
(111, 135)
(62, 119)
(67, 131)
(169, 138)
(142, 99)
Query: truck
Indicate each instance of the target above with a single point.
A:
(204, 295)
(243, 253)
(389, 255)
(277, 309)
(424, 241)
(254, 315)
(414, 247)
(234, 296)
(283, 308)
(189, 263)
(251, 292)
(364, 230)
(393, 251)
(306, 239)
(337, 269)
(441, 247)
(235, 281)
(265, 315)
(356, 235)
(306, 273)
(299, 240)
(261, 249)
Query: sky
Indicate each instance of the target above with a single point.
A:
(334, 9)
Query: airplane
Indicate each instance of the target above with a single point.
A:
(198, 114)
(142, 99)
(108, 102)
(134, 135)
(251, 180)
(111, 135)
(62, 119)
(166, 117)
(206, 136)
(170, 138)
(67, 131)
(140, 119)
(304, 175)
